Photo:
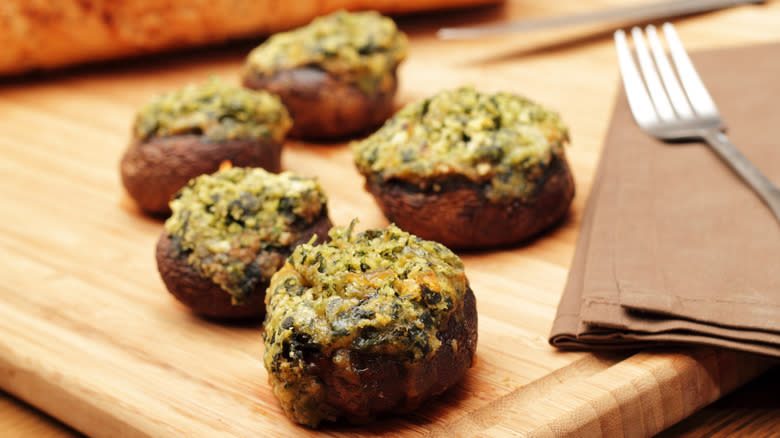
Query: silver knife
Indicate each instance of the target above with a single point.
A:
(644, 12)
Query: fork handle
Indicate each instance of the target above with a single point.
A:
(768, 192)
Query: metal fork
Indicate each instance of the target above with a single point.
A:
(666, 113)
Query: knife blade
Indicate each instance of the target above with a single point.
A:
(646, 12)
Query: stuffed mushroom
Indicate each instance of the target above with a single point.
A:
(367, 324)
(231, 231)
(470, 169)
(189, 132)
(336, 75)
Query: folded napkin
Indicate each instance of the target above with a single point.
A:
(674, 247)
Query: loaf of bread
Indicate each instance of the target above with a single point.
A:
(44, 34)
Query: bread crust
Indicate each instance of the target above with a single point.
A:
(153, 171)
(324, 107)
(461, 216)
(208, 299)
(43, 34)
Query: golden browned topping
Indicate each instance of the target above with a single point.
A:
(215, 110)
(362, 48)
(232, 223)
(502, 140)
(381, 291)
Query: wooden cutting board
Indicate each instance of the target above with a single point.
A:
(89, 334)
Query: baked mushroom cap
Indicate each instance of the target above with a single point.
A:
(470, 169)
(336, 75)
(323, 106)
(230, 231)
(367, 324)
(189, 132)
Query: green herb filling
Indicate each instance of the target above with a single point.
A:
(217, 111)
(502, 140)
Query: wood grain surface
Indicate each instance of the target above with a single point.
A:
(89, 335)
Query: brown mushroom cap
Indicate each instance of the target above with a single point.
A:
(461, 216)
(323, 107)
(207, 298)
(153, 171)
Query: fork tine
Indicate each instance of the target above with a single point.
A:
(697, 93)
(653, 82)
(672, 85)
(638, 100)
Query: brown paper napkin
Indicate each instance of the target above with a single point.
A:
(674, 247)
